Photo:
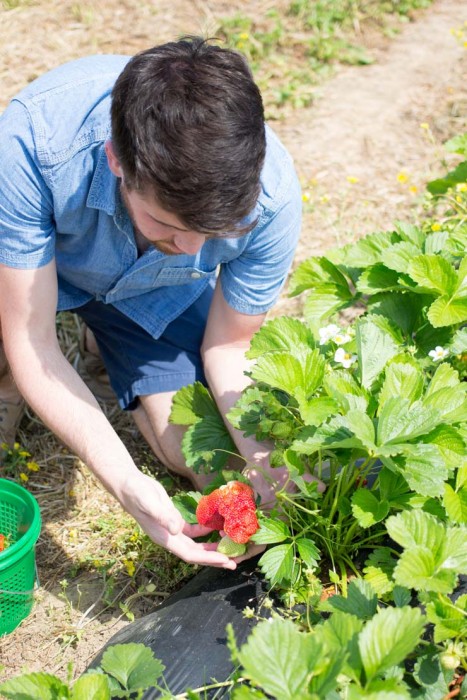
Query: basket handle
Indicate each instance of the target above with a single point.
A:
(30, 592)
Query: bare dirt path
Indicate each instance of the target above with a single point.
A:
(359, 149)
(363, 150)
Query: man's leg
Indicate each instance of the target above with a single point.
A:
(152, 418)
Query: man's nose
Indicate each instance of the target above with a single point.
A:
(189, 242)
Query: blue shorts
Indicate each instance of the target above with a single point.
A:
(137, 363)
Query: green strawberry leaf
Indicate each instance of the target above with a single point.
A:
(458, 344)
(376, 344)
(388, 638)
(314, 272)
(367, 509)
(277, 564)
(417, 568)
(399, 256)
(425, 469)
(279, 658)
(448, 311)
(282, 333)
(91, 686)
(325, 301)
(134, 666)
(208, 442)
(401, 380)
(402, 307)
(191, 403)
(400, 420)
(315, 411)
(434, 273)
(455, 504)
(361, 600)
(282, 370)
(362, 427)
(271, 531)
(308, 552)
(377, 279)
(35, 686)
(415, 527)
(186, 504)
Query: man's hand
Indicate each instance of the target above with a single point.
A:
(267, 481)
(148, 502)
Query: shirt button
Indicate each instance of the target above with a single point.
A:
(195, 275)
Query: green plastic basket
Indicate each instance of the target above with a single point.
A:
(20, 522)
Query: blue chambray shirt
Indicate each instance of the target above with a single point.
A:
(59, 198)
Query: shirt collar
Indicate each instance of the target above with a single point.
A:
(102, 193)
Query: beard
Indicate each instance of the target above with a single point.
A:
(143, 243)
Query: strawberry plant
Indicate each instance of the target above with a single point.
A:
(125, 671)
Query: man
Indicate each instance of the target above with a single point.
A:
(148, 196)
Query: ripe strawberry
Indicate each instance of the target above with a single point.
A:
(230, 548)
(207, 511)
(230, 508)
(241, 524)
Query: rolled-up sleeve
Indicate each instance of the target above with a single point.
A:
(27, 232)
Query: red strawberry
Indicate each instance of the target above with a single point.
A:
(241, 524)
(207, 511)
(230, 508)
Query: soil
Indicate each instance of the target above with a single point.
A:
(363, 159)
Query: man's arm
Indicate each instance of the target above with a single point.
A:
(227, 338)
(54, 390)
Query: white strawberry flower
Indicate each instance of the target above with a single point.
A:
(439, 353)
(346, 359)
(341, 338)
(327, 333)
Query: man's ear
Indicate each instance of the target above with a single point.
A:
(114, 163)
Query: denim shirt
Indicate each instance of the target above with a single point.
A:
(58, 198)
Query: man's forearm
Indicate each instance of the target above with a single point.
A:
(61, 399)
(227, 388)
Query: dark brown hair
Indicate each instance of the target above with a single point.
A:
(188, 126)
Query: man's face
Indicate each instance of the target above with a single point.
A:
(155, 226)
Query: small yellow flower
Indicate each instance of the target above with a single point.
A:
(97, 564)
(16, 446)
(32, 466)
(244, 36)
(130, 567)
(325, 199)
(402, 177)
(465, 44)
(71, 493)
(240, 45)
(425, 126)
(413, 189)
(23, 476)
(305, 197)
(436, 227)
(73, 534)
(353, 180)
(461, 187)
(458, 199)
(23, 453)
(4, 446)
